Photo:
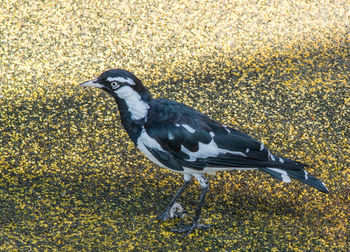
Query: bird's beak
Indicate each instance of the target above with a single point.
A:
(91, 83)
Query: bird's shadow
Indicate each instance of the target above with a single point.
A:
(237, 203)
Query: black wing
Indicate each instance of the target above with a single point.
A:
(191, 139)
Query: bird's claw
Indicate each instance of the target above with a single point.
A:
(175, 212)
(166, 215)
(187, 229)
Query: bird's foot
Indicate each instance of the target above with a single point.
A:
(187, 229)
(176, 211)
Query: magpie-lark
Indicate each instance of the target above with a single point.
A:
(181, 139)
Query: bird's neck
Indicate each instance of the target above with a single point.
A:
(133, 108)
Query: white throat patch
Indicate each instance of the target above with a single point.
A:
(136, 106)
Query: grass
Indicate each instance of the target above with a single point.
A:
(70, 179)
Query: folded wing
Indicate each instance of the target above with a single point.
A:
(190, 139)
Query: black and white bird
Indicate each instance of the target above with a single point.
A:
(181, 139)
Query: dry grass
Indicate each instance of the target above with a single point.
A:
(72, 180)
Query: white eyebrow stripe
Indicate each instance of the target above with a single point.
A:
(122, 80)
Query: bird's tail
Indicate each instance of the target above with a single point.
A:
(284, 174)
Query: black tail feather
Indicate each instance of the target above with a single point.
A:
(302, 175)
(291, 169)
(309, 179)
(280, 168)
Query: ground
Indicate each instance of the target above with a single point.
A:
(70, 179)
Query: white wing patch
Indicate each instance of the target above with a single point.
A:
(271, 157)
(283, 173)
(228, 131)
(136, 106)
(188, 128)
(208, 150)
(121, 79)
(170, 136)
(325, 186)
(261, 147)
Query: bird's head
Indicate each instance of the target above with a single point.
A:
(119, 83)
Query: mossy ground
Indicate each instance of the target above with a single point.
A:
(70, 179)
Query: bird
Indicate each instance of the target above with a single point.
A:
(181, 139)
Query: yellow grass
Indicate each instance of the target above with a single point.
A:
(70, 179)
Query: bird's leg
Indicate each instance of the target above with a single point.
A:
(166, 214)
(204, 183)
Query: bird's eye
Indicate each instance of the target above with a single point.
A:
(114, 85)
